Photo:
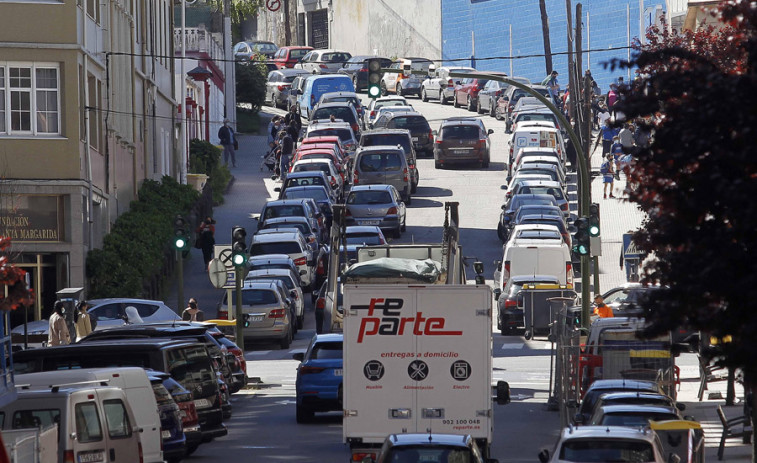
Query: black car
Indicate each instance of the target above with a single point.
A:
(187, 362)
(357, 68)
(420, 131)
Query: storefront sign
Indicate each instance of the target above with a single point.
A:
(32, 218)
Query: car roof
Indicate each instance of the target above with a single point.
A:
(629, 384)
(333, 94)
(312, 161)
(137, 344)
(329, 337)
(526, 278)
(292, 72)
(630, 394)
(607, 432)
(382, 131)
(549, 183)
(371, 187)
(334, 104)
(306, 173)
(288, 219)
(125, 300)
(261, 284)
(306, 187)
(404, 114)
(535, 227)
(451, 122)
(285, 202)
(327, 124)
(268, 271)
(626, 408)
(270, 258)
(276, 237)
(380, 148)
(416, 439)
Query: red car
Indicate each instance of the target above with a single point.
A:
(466, 92)
(287, 57)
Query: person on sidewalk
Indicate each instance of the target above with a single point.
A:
(58, 334)
(293, 121)
(206, 237)
(193, 313)
(552, 86)
(608, 174)
(617, 153)
(287, 148)
(602, 309)
(612, 96)
(229, 143)
(82, 320)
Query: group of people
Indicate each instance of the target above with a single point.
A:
(283, 134)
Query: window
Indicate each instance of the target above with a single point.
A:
(29, 99)
(117, 419)
(88, 427)
(35, 418)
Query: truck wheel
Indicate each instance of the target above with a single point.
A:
(528, 335)
(304, 415)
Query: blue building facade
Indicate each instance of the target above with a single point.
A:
(487, 24)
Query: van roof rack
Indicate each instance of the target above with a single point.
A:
(94, 382)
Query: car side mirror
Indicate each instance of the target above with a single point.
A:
(680, 406)
(544, 456)
(490, 131)
(497, 293)
(503, 187)
(299, 356)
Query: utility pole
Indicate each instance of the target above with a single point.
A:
(230, 85)
(571, 79)
(545, 36)
(287, 32)
(579, 96)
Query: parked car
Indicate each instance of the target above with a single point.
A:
(379, 205)
(461, 141)
(292, 207)
(394, 137)
(110, 312)
(326, 61)
(415, 123)
(175, 441)
(604, 386)
(309, 92)
(431, 447)
(357, 68)
(405, 84)
(606, 443)
(390, 109)
(293, 245)
(249, 50)
(317, 193)
(319, 377)
(633, 415)
(548, 187)
(278, 84)
(358, 236)
(287, 57)
(301, 224)
(440, 85)
(466, 92)
(489, 96)
(385, 165)
(509, 209)
(342, 111)
(267, 314)
(372, 111)
(510, 319)
(535, 115)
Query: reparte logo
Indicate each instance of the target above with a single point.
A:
(385, 318)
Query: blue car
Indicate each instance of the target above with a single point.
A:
(171, 431)
(319, 376)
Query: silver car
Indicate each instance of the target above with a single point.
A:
(371, 112)
(278, 85)
(323, 61)
(292, 283)
(379, 205)
(292, 244)
(266, 313)
(545, 187)
(441, 86)
(385, 165)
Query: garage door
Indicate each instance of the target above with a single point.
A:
(319, 30)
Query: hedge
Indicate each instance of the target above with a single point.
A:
(136, 246)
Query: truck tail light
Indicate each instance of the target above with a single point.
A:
(277, 313)
(405, 175)
(301, 261)
(310, 370)
(68, 457)
(505, 273)
(569, 273)
(392, 210)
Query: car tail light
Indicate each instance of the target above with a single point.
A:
(373, 114)
(450, 83)
(411, 166)
(564, 206)
(355, 179)
(362, 455)
(363, 70)
(569, 273)
(68, 457)
(511, 303)
(277, 313)
(355, 128)
(405, 175)
(348, 213)
(189, 416)
(300, 261)
(430, 135)
(392, 210)
(141, 455)
(310, 370)
(323, 66)
(281, 87)
(505, 273)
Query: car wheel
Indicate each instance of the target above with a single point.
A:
(354, 83)
(478, 107)
(304, 415)
(454, 100)
(191, 448)
(442, 100)
(493, 110)
(399, 90)
(485, 164)
(398, 232)
(508, 127)
(500, 233)
(424, 97)
(404, 225)
(413, 187)
(301, 321)
(409, 200)
(384, 91)
(470, 104)
(286, 341)
(437, 164)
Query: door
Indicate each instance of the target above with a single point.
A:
(122, 443)
(90, 444)
(319, 29)
(371, 169)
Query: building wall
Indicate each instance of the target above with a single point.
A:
(490, 22)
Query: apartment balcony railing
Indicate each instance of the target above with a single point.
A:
(199, 40)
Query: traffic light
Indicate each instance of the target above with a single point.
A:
(374, 77)
(238, 246)
(181, 233)
(246, 318)
(594, 220)
(581, 241)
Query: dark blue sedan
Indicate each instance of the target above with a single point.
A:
(319, 376)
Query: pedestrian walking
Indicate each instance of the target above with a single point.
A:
(602, 309)
(273, 131)
(287, 147)
(82, 320)
(294, 120)
(603, 115)
(58, 334)
(206, 239)
(193, 313)
(608, 174)
(229, 142)
(625, 135)
(617, 152)
(612, 96)
(608, 133)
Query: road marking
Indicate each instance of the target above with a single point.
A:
(513, 345)
(259, 352)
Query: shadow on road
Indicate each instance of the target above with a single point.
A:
(431, 191)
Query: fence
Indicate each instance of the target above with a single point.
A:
(32, 445)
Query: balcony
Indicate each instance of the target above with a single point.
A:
(199, 41)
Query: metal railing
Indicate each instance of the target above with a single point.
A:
(199, 40)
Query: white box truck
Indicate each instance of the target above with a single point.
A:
(417, 358)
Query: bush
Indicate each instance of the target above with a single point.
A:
(205, 158)
(135, 249)
(251, 80)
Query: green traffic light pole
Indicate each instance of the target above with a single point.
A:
(180, 275)
(238, 272)
(584, 190)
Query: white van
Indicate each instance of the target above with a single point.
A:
(532, 257)
(96, 423)
(538, 137)
(135, 384)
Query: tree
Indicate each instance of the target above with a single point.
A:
(697, 180)
(251, 79)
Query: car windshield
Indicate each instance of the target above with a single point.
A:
(363, 238)
(282, 247)
(297, 53)
(369, 197)
(344, 135)
(388, 139)
(518, 202)
(326, 350)
(304, 181)
(319, 194)
(410, 122)
(335, 57)
(339, 112)
(542, 190)
(264, 47)
(295, 210)
(287, 281)
(380, 162)
(302, 227)
(430, 454)
(604, 450)
(460, 132)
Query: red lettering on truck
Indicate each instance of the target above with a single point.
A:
(384, 319)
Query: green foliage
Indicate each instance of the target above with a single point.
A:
(134, 249)
(251, 80)
(205, 158)
(247, 121)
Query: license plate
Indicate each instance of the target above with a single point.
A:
(338, 372)
(202, 403)
(369, 222)
(256, 318)
(165, 434)
(462, 152)
(416, 139)
(90, 457)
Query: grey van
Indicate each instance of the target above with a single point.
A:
(394, 137)
(382, 165)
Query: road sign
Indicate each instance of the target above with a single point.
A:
(630, 251)
(273, 5)
(218, 273)
(222, 253)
